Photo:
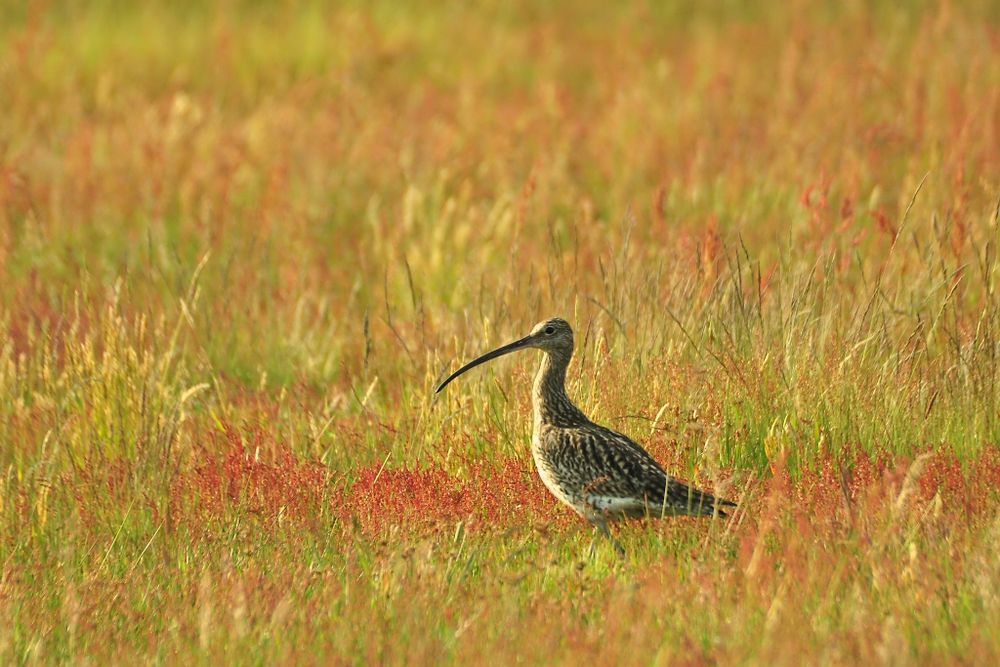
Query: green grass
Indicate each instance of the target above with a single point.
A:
(240, 245)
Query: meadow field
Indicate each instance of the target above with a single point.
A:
(242, 242)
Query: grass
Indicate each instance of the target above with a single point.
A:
(240, 244)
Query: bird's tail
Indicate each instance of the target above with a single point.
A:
(684, 499)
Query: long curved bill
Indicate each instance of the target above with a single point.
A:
(499, 352)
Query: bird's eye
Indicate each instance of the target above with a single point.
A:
(550, 330)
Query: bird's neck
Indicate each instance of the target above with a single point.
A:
(551, 404)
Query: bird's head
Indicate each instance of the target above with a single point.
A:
(553, 336)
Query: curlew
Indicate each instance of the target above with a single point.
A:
(601, 474)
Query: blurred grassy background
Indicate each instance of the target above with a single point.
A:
(774, 228)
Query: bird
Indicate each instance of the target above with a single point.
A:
(603, 475)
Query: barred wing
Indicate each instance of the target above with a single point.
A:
(609, 472)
